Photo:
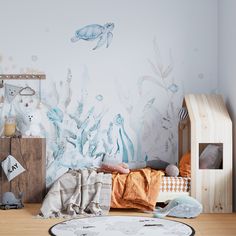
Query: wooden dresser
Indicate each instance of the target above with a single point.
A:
(30, 153)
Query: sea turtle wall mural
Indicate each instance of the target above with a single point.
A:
(94, 32)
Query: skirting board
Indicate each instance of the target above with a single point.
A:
(165, 196)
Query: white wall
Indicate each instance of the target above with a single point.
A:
(179, 37)
(227, 63)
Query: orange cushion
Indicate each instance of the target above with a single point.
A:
(185, 165)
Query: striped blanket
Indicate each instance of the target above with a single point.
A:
(76, 193)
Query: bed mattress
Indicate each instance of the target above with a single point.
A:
(175, 184)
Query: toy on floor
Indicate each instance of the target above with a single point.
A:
(182, 207)
(9, 201)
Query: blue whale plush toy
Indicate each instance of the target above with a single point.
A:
(182, 207)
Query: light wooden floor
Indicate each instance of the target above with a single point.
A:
(23, 222)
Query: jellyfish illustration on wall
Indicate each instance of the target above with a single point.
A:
(95, 31)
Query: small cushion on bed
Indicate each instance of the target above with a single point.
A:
(172, 170)
(157, 164)
(185, 165)
(211, 157)
(121, 168)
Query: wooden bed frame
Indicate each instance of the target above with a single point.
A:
(165, 196)
(183, 147)
(208, 123)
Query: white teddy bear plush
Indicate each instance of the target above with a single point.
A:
(33, 120)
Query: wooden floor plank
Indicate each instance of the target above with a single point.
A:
(23, 222)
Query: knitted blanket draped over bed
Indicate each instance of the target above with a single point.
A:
(139, 189)
(78, 193)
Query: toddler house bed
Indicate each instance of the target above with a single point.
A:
(208, 127)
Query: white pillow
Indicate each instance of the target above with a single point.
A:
(12, 167)
(211, 157)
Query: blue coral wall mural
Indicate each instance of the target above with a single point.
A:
(116, 74)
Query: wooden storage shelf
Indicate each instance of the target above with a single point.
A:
(30, 152)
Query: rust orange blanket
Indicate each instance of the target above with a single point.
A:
(138, 189)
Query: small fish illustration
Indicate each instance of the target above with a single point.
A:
(149, 104)
(95, 31)
(168, 120)
(173, 88)
(99, 97)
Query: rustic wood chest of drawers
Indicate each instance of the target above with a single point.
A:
(30, 153)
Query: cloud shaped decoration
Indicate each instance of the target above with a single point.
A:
(27, 91)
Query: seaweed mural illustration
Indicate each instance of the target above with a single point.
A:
(163, 80)
(92, 32)
(127, 151)
(78, 138)
(161, 73)
(155, 128)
